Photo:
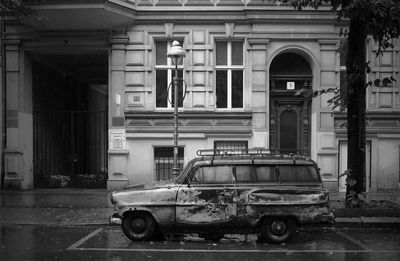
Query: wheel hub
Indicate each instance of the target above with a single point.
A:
(278, 227)
(138, 225)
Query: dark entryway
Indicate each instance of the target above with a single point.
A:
(70, 120)
(290, 120)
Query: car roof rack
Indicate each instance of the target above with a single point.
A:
(271, 153)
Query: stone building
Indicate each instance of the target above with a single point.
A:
(88, 103)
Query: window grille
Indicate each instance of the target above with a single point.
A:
(164, 161)
(231, 146)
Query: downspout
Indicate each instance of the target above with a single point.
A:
(3, 99)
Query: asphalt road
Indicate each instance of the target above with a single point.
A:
(109, 243)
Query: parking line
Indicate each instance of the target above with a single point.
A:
(234, 250)
(354, 241)
(83, 240)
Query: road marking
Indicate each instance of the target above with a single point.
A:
(364, 248)
(83, 240)
(233, 250)
(354, 241)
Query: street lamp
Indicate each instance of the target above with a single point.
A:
(175, 53)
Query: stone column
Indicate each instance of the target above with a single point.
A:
(18, 154)
(118, 152)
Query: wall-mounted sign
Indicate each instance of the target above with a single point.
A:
(117, 139)
(290, 86)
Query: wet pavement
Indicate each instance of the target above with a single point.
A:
(109, 243)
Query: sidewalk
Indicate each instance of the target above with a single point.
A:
(55, 207)
(77, 207)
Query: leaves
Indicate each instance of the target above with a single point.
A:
(14, 8)
(385, 82)
(381, 17)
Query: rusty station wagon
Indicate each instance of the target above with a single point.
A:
(219, 193)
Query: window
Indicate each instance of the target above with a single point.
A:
(298, 174)
(245, 174)
(165, 72)
(164, 161)
(229, 74)
(213, 175)
(230, 146)
(266, 174)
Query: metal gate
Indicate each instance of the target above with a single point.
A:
(70, 149)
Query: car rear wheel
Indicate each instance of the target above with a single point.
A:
(138, 226)
(278, 229)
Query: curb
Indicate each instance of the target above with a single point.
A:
(367, 212)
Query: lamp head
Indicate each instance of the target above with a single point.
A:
(176, 51)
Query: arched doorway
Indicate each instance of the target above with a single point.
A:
(290, 115)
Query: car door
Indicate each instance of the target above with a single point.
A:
(208, 198)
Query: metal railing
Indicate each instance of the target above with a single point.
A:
(272, 153)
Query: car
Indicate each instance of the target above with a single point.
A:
(220, 192)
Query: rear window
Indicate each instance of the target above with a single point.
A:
(298, 174)
(247, 174)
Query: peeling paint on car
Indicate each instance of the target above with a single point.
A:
(205, 204)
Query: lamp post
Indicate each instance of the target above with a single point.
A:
(175, 53)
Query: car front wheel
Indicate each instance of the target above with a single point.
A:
(278, 229)
(138, 226)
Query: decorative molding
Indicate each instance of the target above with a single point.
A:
(153, 2)
(246, 2)
(229, 30)
(379, 122)
(189, 122)
(183, 2)
(169, 30)
(214, 2)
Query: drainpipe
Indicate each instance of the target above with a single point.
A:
(3, 131)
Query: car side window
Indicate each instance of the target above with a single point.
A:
(298, 174)
(245, 174)
(306, 174)
(266, 174)
(286, 174)
(212, 175)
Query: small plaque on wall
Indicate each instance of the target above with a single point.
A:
(117, 139)
(290, 86)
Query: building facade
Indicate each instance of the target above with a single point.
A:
(244, 61)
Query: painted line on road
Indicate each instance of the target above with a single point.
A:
(354, 241)
(83, 240)
(233, 250)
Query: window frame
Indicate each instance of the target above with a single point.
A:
(229, 68)
(169, 67)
